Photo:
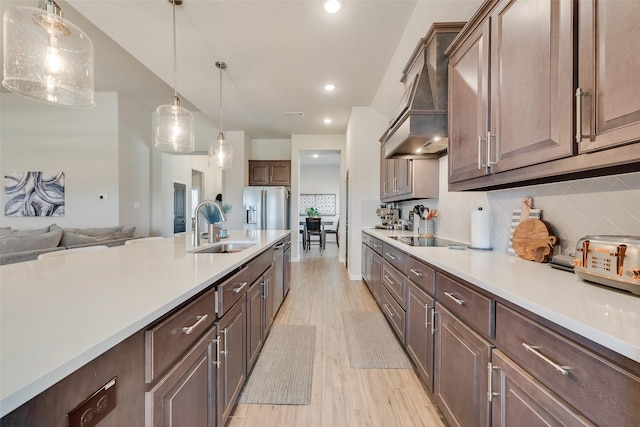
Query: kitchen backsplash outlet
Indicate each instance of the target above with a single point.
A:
(604, 205)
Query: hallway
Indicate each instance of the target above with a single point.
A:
(341, 396)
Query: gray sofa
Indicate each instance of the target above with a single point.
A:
(26, 245)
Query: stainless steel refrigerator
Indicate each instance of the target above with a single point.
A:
(266, 208)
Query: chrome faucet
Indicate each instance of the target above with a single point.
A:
(196, 225)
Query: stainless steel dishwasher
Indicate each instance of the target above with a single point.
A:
(278, 275)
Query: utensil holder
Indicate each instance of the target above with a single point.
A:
(426, 228)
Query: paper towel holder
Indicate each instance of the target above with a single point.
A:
(477, 248)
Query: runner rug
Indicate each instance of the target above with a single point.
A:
(284, 370)
(371, 343)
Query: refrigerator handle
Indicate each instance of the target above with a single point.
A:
(263, 212)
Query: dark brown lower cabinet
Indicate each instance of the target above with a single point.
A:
(255, 322)
(460, 371)
(419, 333)
(376, 276)
(267, 294)
(232, 369)
(519, 398)
(186, 394)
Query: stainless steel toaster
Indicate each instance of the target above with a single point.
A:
(609, 260)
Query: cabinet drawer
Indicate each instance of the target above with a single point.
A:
(259, 264)
(394, 281)
(473, 308)
(394, 256)
(394, 313)
(367, 240)
(605, 393)
(166, 341)
(421, 275)
(376, 245)
(232, 289)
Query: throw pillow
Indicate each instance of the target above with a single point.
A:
(75, 239)
(95, 231)
(30, 232)
(11, 244)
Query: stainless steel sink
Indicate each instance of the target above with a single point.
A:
(225, 248)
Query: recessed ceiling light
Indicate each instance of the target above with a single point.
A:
(332, 6)
(329, 87)
(327, 121)
(315, 156)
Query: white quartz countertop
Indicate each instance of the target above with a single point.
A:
(604, 315)
(58, 314)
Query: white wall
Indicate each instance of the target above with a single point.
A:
(270, 149)
(135, 139)
(366, 125)
(236, 178)
(82, 143)
(106, 150)
(320, 179)
(314, 142)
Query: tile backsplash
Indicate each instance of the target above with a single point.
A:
(604, 205)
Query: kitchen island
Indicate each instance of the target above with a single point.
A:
(497, 338)
(59, 314)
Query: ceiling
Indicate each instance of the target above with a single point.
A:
(279, 55)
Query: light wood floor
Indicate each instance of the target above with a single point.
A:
(341, 396)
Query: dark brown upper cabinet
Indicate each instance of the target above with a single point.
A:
(270, 172)
(517, 116)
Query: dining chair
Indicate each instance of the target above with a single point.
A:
(314, 228)
(71, 251)
(335, 231)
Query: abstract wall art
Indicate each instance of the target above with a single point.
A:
(34, 194)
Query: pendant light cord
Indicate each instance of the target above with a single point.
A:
(221, 96)
(175, 90)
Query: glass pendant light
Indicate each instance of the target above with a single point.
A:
(46, 57)
(174, 126)
(221, 151)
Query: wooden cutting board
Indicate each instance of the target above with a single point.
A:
(533, 241)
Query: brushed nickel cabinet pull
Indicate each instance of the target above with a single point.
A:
(426, 316)
(386, 307)
(578, 114)
(389, 280)
(433, 321)
(393, 257)
(239, 288)
(225, 342)
(417, 273)
(199, 319)
(453, 297)
(490, 392)
(480, 139)
(489, 136)
(564, 370)
(217, 362)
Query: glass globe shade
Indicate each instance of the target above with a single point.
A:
(47, 58)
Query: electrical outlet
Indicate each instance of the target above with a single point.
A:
(95, 407)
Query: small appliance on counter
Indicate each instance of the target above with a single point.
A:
(389, 218)
(612, 261)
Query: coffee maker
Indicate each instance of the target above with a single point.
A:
(389, 218)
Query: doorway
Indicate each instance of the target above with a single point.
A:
(320, 188)
(179, 208)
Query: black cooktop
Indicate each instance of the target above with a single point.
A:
(425, 241)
